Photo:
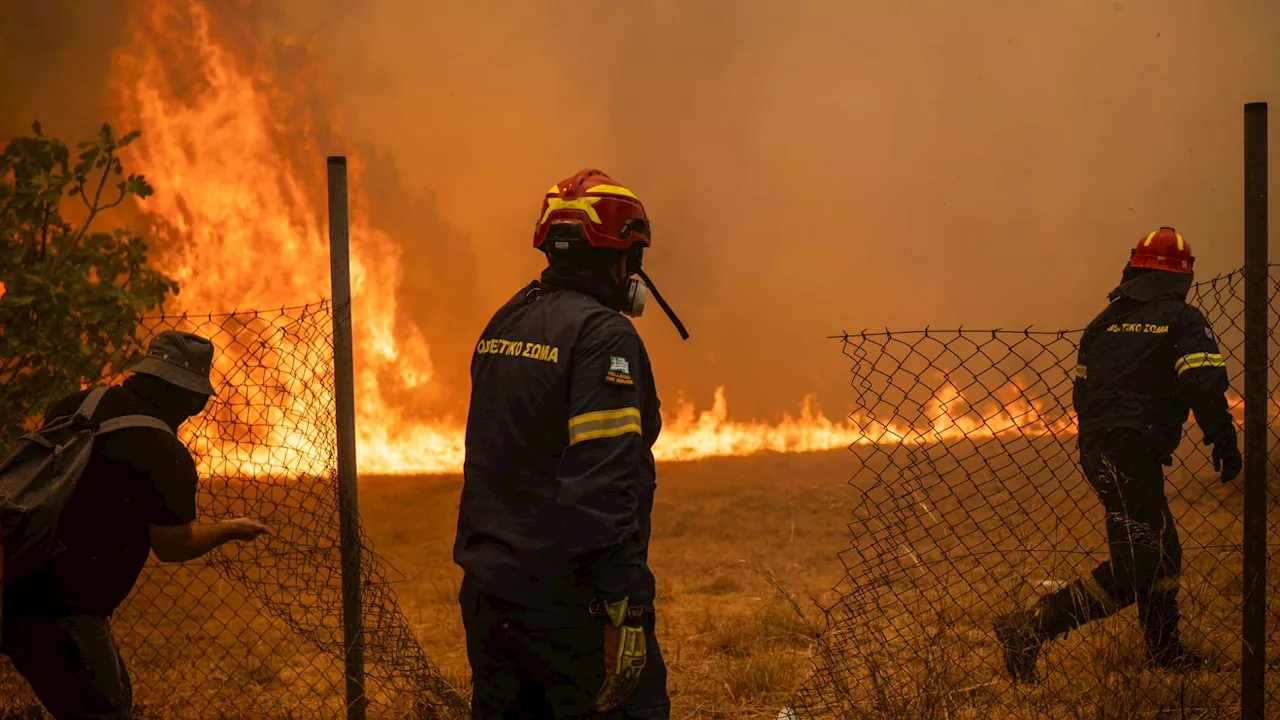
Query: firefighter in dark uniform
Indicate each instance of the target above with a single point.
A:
(1146, 361)
(553, 525)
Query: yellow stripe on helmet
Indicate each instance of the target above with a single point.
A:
(583, 204)
(613, 190)
(1181, 242)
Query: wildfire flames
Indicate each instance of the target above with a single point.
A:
(237, 213)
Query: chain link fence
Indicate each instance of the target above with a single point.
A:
(972, 504)
(254, 629)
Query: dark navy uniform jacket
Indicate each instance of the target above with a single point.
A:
(559, 475)
(1146, 361)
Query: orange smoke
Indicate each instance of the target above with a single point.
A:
(234, 155)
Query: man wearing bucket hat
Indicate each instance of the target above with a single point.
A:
(180, 359)
(137, 495)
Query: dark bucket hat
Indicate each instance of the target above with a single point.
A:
(180, 358)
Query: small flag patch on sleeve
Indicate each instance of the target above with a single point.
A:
(619, 372)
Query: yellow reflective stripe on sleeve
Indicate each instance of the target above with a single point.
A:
(1198, 360)
(598, 415)
(1082, 372)
(604, 424)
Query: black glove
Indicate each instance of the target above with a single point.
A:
(1226, 458)
(1226, 452)
(624, 655)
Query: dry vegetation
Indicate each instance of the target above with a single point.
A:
(742, 547)
(974, 539)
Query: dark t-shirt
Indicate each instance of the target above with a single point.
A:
(135, 477)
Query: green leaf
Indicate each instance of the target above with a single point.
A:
(66, 315)
(87, 159)
(138, 186)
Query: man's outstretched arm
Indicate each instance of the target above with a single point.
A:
(180, 543)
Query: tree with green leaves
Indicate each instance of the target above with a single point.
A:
(73, 296)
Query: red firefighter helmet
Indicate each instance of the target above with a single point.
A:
(591, 206)
(1163, 249)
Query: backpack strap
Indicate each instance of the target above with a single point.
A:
(90, 404)
(134, 421)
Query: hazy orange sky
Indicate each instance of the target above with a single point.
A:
(809, 166)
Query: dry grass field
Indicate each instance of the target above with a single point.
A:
(972, 530)
(741, 548)
(730, 536)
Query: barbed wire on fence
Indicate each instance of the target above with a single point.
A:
(971, 504)
(254, 630)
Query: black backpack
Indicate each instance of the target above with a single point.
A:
(38, 477)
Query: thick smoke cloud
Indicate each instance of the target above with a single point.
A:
(810, 167)
(54, 64)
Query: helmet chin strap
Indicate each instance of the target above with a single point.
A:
(684, 334)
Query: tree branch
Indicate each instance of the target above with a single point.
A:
(13, 365)
(93, 212)
(116, 202)
(8, 206)
(97, 196)
(5, 364)
(84, 197)
(44, 232)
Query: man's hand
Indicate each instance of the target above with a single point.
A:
(624, 655)
(181, 543)
(1226, 458)
(246, 529)
(1226, 451)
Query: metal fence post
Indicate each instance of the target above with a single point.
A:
(345, 405)
(1256, 300)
